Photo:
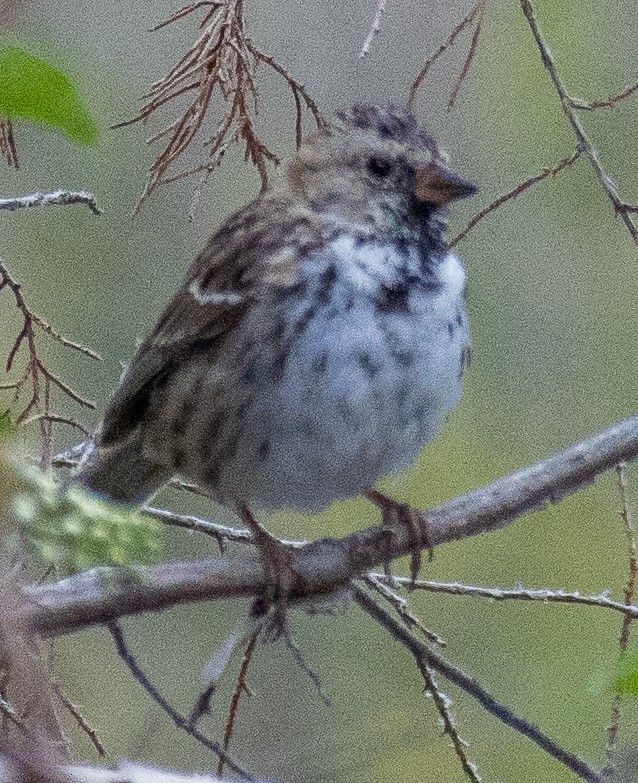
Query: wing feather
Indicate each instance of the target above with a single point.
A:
(245, 256)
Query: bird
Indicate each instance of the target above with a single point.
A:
(317, 343)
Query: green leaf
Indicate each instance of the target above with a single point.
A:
(626, 680)
(33, 90)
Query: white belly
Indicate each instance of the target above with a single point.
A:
(361, 393)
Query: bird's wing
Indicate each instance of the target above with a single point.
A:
(244, 258)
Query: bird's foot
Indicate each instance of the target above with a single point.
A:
(279, 575)
(395, 514)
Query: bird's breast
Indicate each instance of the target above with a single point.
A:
(368, 366)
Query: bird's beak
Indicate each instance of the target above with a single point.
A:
(439, 185)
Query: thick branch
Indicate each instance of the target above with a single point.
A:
(103, 594)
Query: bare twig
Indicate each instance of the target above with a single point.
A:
(8, 148)
(582, 139)
(544, 595)
(381, 584)
(181, 722)
(443, 704)
(57, 419)
(240, 688)
(434, 660)
(520, 188)
(35, 375)
(59, 197)
(469, 58)
(375, 27)
(607, 103)
(79, 718)
(303, 665)
(476, 13)
(630, 587)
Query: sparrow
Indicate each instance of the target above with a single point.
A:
(317, 342)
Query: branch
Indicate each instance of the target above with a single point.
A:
(179, 720)
(375, 27)
(104, 594)
(474, 16)
(630, 587)
(434, 660)
(59, 197)
(520, 188)
(583, 140)
(544, 594)
(35, 374)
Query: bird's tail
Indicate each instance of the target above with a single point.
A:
(121, 472)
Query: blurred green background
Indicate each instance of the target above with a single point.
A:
(552, 300)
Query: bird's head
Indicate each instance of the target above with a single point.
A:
(371, 162)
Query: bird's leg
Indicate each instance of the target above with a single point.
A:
(276, 560)
(395, 514)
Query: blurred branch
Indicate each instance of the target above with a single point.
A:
(58, 197)
(241, 687)
(426, 656)
(443, 704)
(568, 104)
(179, 720)
(375, 27)
(607, 103)
(8, 148)
(100, 595)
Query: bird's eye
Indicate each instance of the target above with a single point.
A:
(379, 167)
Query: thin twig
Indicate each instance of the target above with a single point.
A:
(443, 704)
(181, 722)
(35, 374)
(583, 140)
(607, 103)
(630, 587)
(82, 722)
(240, 688)
(438, 663)
(381, 584)
(462, 25)
(303, 665)
(544, 595)
(520, 188)
(56, 418)
(46, 327)
(8, 148)
(469, 58)
(375, 27)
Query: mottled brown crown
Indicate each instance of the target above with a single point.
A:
(391, 123)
